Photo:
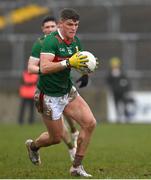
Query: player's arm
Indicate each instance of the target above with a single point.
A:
(47, 56)
(34, 59)
(33, 65)
(47, 65)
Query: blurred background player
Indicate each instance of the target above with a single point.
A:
(120, 87)
(26, 93)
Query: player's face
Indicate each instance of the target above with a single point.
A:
(49, 27)
(69, 28)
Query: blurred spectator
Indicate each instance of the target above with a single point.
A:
(26, 93)
(120, 88)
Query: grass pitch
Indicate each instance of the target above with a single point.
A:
(116, 151)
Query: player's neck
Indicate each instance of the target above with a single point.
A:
(64, 38)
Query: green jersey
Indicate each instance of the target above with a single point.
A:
(59, 83)
(36, 49)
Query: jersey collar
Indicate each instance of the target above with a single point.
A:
(61, 36)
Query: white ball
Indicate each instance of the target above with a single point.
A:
(91, 62)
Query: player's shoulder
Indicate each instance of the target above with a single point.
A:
(39, 41)
(51, 37)
(76, 39)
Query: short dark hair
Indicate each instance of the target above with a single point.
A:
(48, 18)
(69, 14)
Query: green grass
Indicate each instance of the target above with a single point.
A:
(116, 151)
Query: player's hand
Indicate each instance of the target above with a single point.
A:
(83, 80)
(78, 61)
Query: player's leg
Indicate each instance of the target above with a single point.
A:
(71, 125)
(55, 131)
(79, 110)
(44, 140)
(67, 140)
(51, 110)
(52, 118)
(53, 136)
(74, 131)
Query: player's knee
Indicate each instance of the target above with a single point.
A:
(91, 125)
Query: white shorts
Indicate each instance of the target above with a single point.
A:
(53, 107)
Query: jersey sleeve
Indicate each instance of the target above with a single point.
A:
(36, 49)
(49, 45)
